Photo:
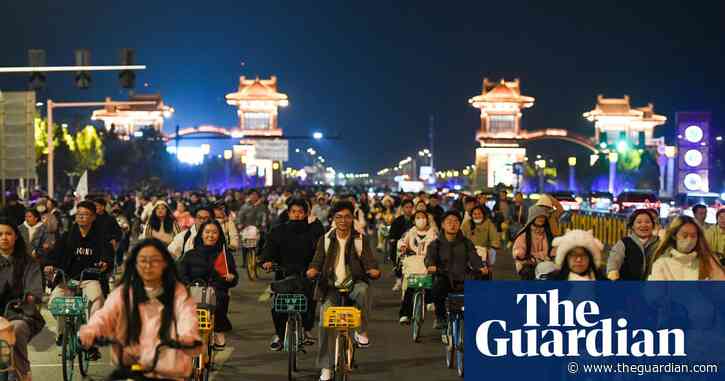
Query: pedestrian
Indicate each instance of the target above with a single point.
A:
(578, 257)
(684, 254)
(631, 256)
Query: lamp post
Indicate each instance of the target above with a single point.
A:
(572, 173)
(540, 166)
(613, 158)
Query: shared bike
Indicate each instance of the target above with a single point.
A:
(136, 371)
(453, 336)
(419, 283)
(343, 319)
(205, 298)
(72, 312)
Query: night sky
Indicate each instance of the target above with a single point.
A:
(373, 72)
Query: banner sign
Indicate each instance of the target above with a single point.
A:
(277, 149)
(551, 330)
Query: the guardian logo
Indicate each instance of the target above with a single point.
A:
(598, 337)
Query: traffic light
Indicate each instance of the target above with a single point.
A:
(127, 77)
(83, 58)
(36, 57)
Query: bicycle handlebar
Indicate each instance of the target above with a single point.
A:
(172, 344)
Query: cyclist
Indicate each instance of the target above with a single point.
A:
(210, 261)
(292, 246)
(184, 241)
(20, 277)
(400, 225)
(452, 257)
(81, 248)
(412, 248)
(230, 229)
(348, 261)
(150, 306)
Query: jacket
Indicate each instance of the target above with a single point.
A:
(292, 246)
(399, 226)
(324, 261)
(630, 257)
(32, 284)
(715, 237)
(199, 264)
(74, 253)
(484, 234)
(40, 238)
(455, 259)
(175, 364)
(252, 215)
(183, 242)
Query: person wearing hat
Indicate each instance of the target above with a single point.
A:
(553, 210)
(452, 258)
(162, 224)
(578, 256)
(629, 258)
(532, 244)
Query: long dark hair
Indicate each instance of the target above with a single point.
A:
(547, 232)
(199, 239)
(20, 256)
(168, 221)
(134, 292)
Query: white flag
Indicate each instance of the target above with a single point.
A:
(82, 188)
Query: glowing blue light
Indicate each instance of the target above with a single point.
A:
(317, 135)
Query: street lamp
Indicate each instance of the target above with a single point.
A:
(317, 135)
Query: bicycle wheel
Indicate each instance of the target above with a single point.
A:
(68, 351)
(341, 365)
(291, 346)
(459, 350)
(417, 315)
(252, 264)
(84, 360)
(450, 347)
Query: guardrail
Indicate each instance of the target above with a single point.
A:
(606, 227)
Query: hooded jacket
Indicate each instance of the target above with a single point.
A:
(74, 253)
(292, 245)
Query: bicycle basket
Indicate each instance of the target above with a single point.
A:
(454, 303)
(204, 316)
(290, 303)
(341, 317)
(68, 306)
(420, 281)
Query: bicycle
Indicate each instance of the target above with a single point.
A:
(343, 319)
(75, 311)
(293, 304)
(7, 344)
(136, 371)
(203, 364)
(250, 239)
(420, 283)
(454, 332)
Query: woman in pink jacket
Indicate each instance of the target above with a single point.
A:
(150, 306)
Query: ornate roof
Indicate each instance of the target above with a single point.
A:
(621, 107)
(257, 89)
(501, 92)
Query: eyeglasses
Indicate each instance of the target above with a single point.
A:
(150, 263)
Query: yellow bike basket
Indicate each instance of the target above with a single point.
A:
(341, 317)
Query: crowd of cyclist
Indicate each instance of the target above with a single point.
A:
(147, 248)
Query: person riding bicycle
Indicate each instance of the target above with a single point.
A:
(343, 259)
(149, 307)
(452, 258)
(82, 247)
(211, 262)
(292, 246)
(412, 249)
(20, 278)
(184, 241)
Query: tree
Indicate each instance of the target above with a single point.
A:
(87, 149)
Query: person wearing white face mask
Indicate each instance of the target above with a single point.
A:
(685, 255)
(482, 232)
(412, 249)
